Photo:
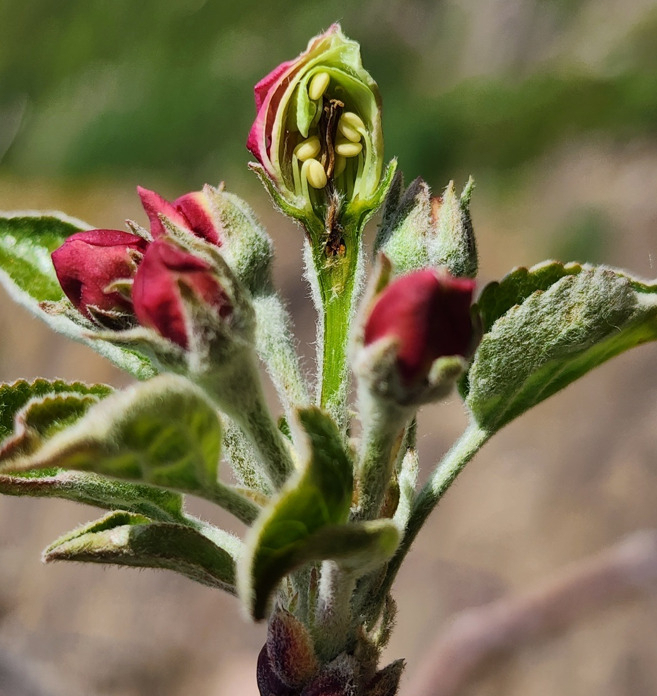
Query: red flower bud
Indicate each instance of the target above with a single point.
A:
(157, 290)
(191, 211)
(428, 313)
(88, 262)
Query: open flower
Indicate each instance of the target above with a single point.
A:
(415, 336)
(318, 123)
(167, 282)
(88, 266)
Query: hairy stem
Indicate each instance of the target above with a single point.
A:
(451, 465)
(382, 437)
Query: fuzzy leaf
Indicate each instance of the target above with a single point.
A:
(26, 241)
(547, 327)
(16, 396)
(289, 531)
(92, 489)
(163, 432)
(129, 539)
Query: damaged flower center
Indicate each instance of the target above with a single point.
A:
(335, 136)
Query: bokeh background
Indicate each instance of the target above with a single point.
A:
(550, 104)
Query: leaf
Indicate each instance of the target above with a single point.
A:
(15, 396)
(92, 489)
(163, 432)
(26, 241)
(497, 298)
(32, 412)
(124, 538)
(547, 327)
(289, 531)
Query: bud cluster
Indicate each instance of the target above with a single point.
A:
(119, 280)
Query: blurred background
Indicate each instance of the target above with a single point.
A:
(550, 104)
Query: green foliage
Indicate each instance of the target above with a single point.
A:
(163, 433)
(26, 242)
(130, 539)
(285, 534)
(16, 396)
(92, 489)
(548, 326)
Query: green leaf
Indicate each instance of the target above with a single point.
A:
(497, 298)
(26, 242)
(15, 396)
(30, 413)
(26, 271)
(547, 327)
(129, 539)
(92, 489)
(293, 529)
(163, 432)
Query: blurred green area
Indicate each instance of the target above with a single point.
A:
(163, 90)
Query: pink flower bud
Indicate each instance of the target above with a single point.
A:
(191, 211)
(89, 262)
(428, 313)
(157, 293)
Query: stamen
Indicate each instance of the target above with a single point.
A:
(315, 173)
(318, 85)
(340, 164)
(308, 149)
(348, 131)
(346, 148)
(353, 120)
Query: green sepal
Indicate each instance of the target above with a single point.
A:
(99, 491)
(299, 212)
(27, 273)
(163, 432)
(16, 399)
(129, 539)
(548, 326)
(286, 534)
(358, 211)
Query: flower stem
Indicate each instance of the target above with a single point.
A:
(383, 432)
(237, 390)
(451, 465)
(336, 260)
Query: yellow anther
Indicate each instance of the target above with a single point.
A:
(308, 149)
(348, 132)
(353, 120)
(346, 148)
(315, 173)
(340, 164)
(318, 85)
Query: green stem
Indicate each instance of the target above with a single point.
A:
(337, 271)
(334, 621)
(276, 348)
(383, 431)
(237, 390)
(451, 465)
(244, 509)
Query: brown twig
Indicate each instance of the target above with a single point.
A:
(477, 634)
